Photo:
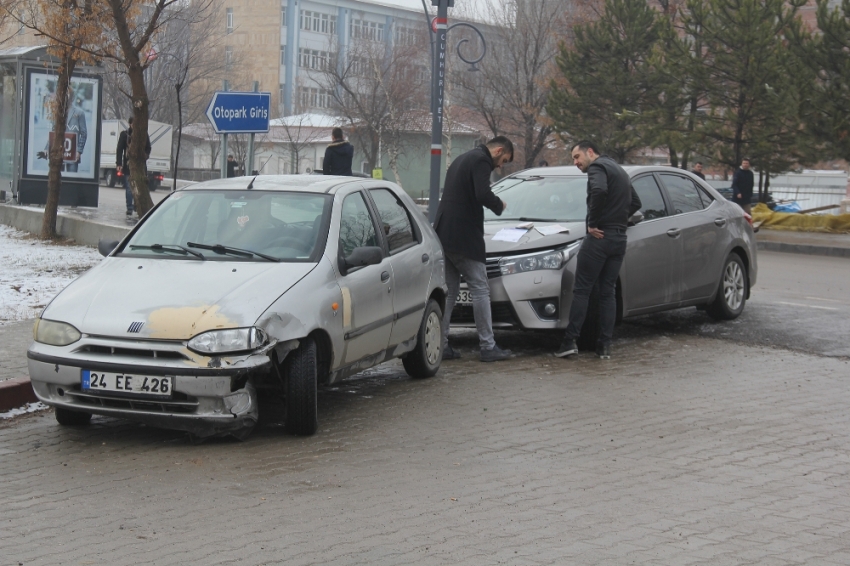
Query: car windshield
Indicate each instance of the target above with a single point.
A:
(235, 226)
(541, 199)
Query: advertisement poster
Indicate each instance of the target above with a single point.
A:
(80, 143)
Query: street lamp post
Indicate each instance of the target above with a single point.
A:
(438, 79)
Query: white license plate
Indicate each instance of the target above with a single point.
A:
(159, 386)
(464, 298)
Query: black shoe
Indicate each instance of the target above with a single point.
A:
(567, 348)
(603, 351)
(129, 213)
(451, 354)
(496, 354)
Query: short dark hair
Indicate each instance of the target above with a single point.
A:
(336, 133)
(584, 145)
(744, 159)
(502, 141)
(697, 163)
(130, 120)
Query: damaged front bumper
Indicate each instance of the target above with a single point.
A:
(209, 396)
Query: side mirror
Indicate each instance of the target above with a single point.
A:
(635, 218)
(105, 247)
(361, 257)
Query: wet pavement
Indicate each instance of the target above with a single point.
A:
(679, 450)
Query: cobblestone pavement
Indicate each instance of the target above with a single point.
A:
(680, 450)
(13, 348)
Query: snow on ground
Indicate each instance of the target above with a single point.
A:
(32, 272)
(28, 408)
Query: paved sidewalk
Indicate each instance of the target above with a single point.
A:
(679, 451)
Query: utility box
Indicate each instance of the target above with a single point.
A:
(28, 77)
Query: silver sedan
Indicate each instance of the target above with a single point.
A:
(688, 246)
(233, 289)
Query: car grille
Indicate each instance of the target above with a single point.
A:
(502, 314)
(179, 403)
(131, 352)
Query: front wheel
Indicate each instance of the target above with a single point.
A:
(66, 417)
(732, 292)
(424, 360)
(300, 374)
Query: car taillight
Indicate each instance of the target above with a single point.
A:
(748, 218)
(160, 177)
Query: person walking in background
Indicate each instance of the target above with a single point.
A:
(611, 200)
(460, 226)
(338, 155)
(698, 170)
(742, 186)
(122, 162)
(231, 166)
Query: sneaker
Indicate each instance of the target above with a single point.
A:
(567, 348)
(496, 354)
(603, 351)
(451, 354)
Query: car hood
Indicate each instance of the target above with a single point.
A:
(532, 240)
(174, 299)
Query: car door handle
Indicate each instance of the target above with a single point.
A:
(385, 276)
(674, 232)
(425, 258)
(720, 222)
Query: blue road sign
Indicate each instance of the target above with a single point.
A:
(240, 112)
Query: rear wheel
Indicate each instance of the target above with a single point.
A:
(66, 417)
(424, 360)
(301, 389)
(732, 292)
(110, 178)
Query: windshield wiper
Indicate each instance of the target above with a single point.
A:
(527, 219)
(219, 249)
(173, 248)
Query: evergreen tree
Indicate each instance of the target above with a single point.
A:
(605, 81)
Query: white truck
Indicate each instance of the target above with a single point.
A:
(159, 162)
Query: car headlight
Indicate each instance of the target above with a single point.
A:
(54, 333)
(553, 259)
(230, 340)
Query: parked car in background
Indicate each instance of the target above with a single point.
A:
(237, 288)
(687, 246)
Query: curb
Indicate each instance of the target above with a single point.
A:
(806, 249)
(15, 393)
(84, 232)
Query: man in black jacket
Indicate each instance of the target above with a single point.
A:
(338, 155)
(122, 162)
(742, 186)
(460, 226)
(611, 200)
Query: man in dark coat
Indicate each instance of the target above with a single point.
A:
(611, 200)
(698, 170)
(231, 166)
(460, 226)
(742, 186)
(338, 155)
(122, 161)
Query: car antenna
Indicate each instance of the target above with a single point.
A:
(251, 184)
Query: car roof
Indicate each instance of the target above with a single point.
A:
(301, 183)
(570, 170)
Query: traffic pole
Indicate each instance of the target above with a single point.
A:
(438, 76)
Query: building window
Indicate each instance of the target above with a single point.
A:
(283, 55)
(313, 59)
(405, 36)
(361, 29)
(281, 94)
(283, 16)
(318, 22)
(229, 23)
(228, 58)
(309, 97)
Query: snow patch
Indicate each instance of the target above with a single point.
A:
(28, 408)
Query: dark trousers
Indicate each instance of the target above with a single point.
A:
(598, 262)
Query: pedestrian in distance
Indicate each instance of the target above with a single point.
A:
(611, 200)
(460, 226)
(231, 166)
(697, 170)
(742, 186)
(122, 162)
(338, 155)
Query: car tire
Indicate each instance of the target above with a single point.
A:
(731, 294)
(300, 373)
(110, 179)
(67, 417)
(590, 329)
(424, 361)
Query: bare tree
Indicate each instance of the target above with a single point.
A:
(299, 134)
(511, 90)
